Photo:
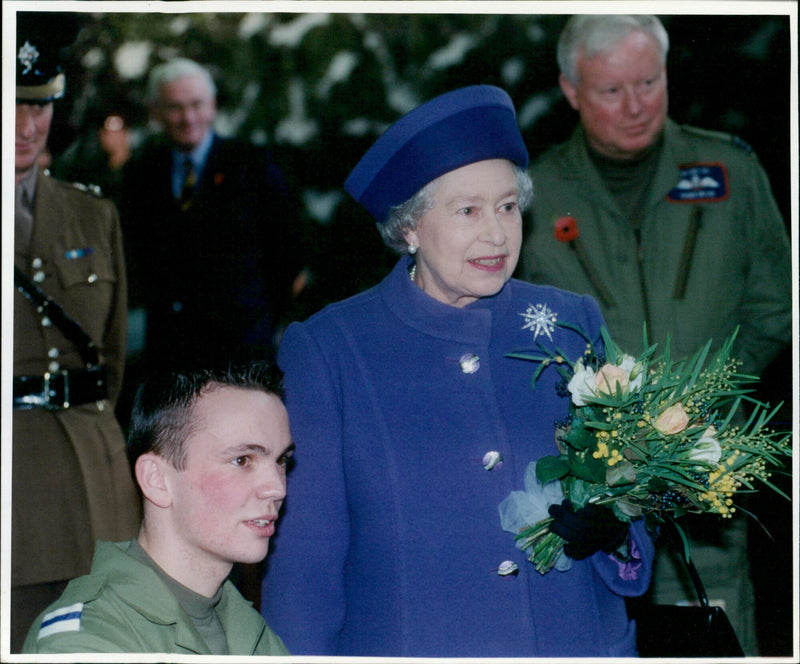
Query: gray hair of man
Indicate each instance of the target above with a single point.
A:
(588, 35)
(172, 70)
(404, 217)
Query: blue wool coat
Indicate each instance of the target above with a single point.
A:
(391, 539)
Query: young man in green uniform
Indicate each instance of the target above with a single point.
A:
(209, 451)
(663, 224)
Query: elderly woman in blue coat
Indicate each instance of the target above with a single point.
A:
(412, 424)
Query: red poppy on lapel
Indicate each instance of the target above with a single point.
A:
(566, 229)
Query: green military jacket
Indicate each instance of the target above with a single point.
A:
(122, 606)
(713, 252)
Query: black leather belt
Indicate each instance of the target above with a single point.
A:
(61, 389)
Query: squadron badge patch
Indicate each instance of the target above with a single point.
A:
(700, 183)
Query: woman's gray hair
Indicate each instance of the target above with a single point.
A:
(172, 70)
(590, 34)
(404, 217)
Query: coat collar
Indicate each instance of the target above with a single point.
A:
(578, 165)
(470, 324)
(673, 153)
(140, 588)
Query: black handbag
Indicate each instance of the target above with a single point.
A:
(667, 630)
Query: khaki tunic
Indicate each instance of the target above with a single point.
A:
(71, 484)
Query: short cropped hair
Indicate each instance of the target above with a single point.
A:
(588, 35)
(161, 417)
(404, 217)
(172, 70)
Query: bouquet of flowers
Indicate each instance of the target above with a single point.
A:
(647, 437)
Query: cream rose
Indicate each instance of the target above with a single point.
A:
(609, 377)
(587, 383)
(672, 420)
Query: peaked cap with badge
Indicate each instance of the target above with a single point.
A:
(41, 38)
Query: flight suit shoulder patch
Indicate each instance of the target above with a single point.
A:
(67, 618)
(60, 620)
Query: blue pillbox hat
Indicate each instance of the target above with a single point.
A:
(450, 131)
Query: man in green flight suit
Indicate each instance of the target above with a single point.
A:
(663, 224)
(209, 450)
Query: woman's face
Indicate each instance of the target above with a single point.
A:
(469, 242)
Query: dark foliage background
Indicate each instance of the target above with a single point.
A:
(318, 88)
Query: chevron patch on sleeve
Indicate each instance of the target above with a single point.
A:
(65, 619)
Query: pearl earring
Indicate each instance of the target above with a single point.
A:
(412, 249)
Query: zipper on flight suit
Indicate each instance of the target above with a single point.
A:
(637, 233)
(685, 265)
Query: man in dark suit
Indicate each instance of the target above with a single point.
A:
(211, 232)
(71, 484)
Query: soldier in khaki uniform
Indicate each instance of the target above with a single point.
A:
(71, 483)
(663, 224)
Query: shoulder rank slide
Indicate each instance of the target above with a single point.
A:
(700, 183)
(92, 189)
(65, 619)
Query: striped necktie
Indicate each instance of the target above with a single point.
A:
(189, 183)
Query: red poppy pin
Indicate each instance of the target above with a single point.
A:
(218, 178)
(566, 229)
